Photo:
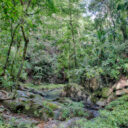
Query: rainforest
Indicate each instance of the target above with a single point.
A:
(63, 63)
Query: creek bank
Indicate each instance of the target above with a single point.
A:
(31, 104)
(62, 124)
(51, 105)
(100, 96)
(19, 120)
(48, 107)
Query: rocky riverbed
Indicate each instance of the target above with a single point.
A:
(45, 109)
(58, 107)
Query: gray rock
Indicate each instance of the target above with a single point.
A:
(101, 103)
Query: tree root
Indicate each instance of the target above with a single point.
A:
(5, 96)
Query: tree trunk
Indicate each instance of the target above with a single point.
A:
(26, 40)
(10, 46)
(18, 46)
(73, 34)
(124, 31)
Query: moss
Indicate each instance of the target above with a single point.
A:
(50, 105)
(75, 91)
(105, 92)
(42, 111)
(96, 96)
(100, 94)
(94, 99)
(52, 86)
(12, 105)
(44, 86)
(75, 86)
(47, 111)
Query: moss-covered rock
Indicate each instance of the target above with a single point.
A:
(93, 84)
(94, 99)
(51, 105)
(101, 95)
(95, 96)
(75, 92)
(105, 92)
(35, 106)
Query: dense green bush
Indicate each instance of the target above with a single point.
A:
(115, 115)
(72, 109)
(41, 64)
(108, 60)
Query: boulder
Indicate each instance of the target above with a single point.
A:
(93, 84)
(101, 103)
(89, 100)
(123, 83)
(110, 98)
(75, 92)
(121, 87)
(109, 94)
(31, 105)
(105, 92)
(100, 96)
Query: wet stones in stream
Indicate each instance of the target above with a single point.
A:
(50, 106)
(32, 105)
(20, 120)
(70, 123)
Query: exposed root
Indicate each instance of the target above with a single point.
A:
(5, 96)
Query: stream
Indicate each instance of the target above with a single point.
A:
(20, 119)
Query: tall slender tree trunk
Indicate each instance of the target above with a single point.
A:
(69, 62)
(26, 40)
(73, 34)
(124, 31)
(113, 25)
(18, 46)
(10, 47)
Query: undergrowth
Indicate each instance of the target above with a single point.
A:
(115, 115)
(72, 109)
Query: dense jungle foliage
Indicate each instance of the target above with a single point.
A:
(59, 42)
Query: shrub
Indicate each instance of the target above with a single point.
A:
(115, 115)
(72, 109)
